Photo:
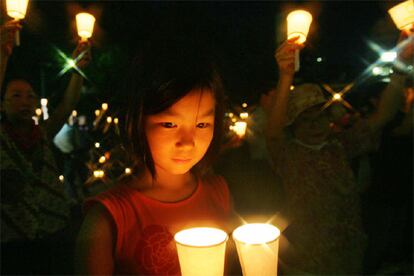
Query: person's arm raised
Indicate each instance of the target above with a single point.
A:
(392, 98)
(276, 117)
(72, 93)
(7, 37)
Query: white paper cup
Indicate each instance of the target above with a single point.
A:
(257, 246)
(201, 251)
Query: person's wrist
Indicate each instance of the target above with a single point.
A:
(286, 76)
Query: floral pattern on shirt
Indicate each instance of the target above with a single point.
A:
(157, 252)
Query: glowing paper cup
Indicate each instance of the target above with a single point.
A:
(17, 10)
(85, 23)
(201, 251)
(257, 246)
(403, 15)
(298, 23)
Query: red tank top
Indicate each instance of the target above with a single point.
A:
(145, 227)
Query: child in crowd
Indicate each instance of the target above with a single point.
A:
(325, 234)
(172, 126)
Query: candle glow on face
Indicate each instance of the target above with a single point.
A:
(201, 236)
(256, 233)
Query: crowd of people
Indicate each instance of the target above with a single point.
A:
(294, 169)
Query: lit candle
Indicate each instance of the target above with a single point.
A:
(43, 103)
(201, 251)
(17, 9)
(337, 96)
(240, 128)
(244, 115)
(403, 15)
(298, 23)
(85, 23)
(257, 246)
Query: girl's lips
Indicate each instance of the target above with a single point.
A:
(181, 161)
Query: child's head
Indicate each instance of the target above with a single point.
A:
(306, 118)
(174, 113)
(18, 100)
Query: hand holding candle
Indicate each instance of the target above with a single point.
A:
(17, 10)
(285, 56)
(7, 37)
(298, 23)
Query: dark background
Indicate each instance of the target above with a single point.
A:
(243, 34)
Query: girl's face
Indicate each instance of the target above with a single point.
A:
(312, 126)
(179, 136)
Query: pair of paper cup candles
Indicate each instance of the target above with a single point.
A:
(201, 251)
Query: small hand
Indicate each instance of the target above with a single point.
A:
(285, 56)
(83, 53)
(7, 36)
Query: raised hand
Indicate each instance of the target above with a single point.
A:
(83, 54)
(7, 36)
(285, 56)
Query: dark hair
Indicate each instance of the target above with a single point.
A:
(159, 77)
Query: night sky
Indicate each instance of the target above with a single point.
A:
(243, 34)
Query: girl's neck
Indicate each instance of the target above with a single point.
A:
(167, 187)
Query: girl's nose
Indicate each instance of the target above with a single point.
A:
(186, 139)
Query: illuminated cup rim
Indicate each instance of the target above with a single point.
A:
(217, 230)
(301, 12)
(86, 15)
(234, 234)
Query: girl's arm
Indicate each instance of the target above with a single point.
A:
(95, 245)
(276, 118)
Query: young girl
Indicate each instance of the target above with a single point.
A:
(173, 126)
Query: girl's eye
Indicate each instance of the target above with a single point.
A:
(168, 125)
(203, 125)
